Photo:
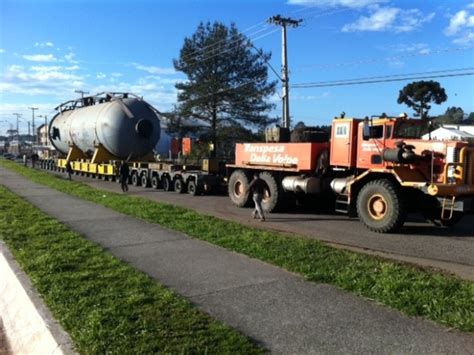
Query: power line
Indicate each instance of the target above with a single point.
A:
(374, 81)
(390, 76)
(265, 27)
(384, 59)
(238, 42)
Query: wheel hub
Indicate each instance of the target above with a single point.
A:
(377, 207)
(238, 188)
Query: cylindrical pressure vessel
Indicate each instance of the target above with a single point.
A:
(127, 127)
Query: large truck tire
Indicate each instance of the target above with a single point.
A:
(179, 186)
(193, 188)
(136, 181)
(167, 183)
(380, 206)
(145, 181)
(155, 182)
(238, 189)
(274, 196)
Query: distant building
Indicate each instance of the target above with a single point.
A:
(42, 135)
(446, 134)
(464, 128)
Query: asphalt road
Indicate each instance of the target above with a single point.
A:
(419, 242)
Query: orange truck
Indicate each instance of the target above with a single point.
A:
(379, 169)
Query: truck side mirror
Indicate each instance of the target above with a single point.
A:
(366, 131)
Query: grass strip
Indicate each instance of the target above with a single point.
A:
(414, 291)
(106, 305)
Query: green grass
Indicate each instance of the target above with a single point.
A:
(104, 304)
(414, 291)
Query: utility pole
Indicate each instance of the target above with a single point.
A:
(33, 122)
(29, 128)
(284, 22)
(81, 92)
(18, 115)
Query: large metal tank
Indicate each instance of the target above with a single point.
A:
(127, 127)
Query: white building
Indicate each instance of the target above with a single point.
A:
(465, 128)
(448, 134)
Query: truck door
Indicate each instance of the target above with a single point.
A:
(344, 142)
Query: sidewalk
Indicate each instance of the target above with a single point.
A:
(280, 310)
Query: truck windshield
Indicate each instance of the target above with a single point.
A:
(410, 130)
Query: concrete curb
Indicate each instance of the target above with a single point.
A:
(28, 325)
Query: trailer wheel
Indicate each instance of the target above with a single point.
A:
(145, 181)
(273, 196)
(192, 188)
(239, 188)
(155, 182)
(179, 186)
(380, 206)
(167, 185)
(135, 180)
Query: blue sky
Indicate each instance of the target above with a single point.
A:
(49, 49)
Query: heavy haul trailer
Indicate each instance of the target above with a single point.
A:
(193, 179)
(379, 169)
(95, 133)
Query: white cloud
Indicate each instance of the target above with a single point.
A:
(468, 38)
(297, 96)
(380, 20)
(461, 25)
(39, 80)
(70, 58)
(40, 57)
(154, 70)
(100, 76)
(336, 3)
(44, 44)
(72, 67)
(2, 50)
(389, 19)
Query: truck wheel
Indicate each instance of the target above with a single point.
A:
(167, 185)
(179, 186)
(192, 188)
(155, 182)
(239, 188)
(145, 181)
(380, 206)
(273, 196)
(135, 180)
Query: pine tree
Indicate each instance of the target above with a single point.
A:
(227, 81)
(419, 94)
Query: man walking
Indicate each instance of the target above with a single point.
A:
(257, 188)
(124, 172)
(69, 170)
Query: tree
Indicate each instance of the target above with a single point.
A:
(470, 119)
(226, 80)
(453, 115)
(419, 94)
